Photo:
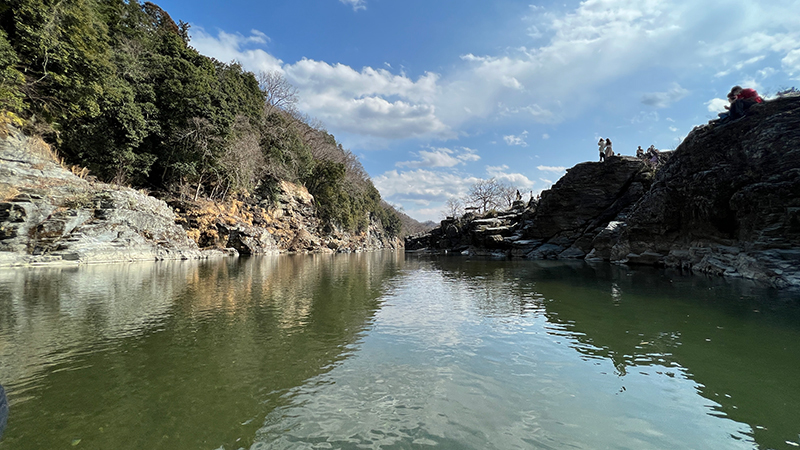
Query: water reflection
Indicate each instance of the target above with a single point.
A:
(736, 339)
(175, 355)
(376, 351)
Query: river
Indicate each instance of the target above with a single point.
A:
(393, 351)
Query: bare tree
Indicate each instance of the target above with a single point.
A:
(485, 195)
(279, 94)
(507, 195)
(453, 207)
(243, 159)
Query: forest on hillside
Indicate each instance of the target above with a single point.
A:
(115, 87)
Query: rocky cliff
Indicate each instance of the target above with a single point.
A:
(48, 214)
(726, 201)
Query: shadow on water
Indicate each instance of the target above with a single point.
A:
(175, 355)
(734, 338)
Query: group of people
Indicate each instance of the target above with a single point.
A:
(740, 102)
(651, 155)
(605, 149)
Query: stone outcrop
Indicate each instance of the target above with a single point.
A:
(726, 202)
(582, 204)
(567, 222)
(256, 226)
(50, 215)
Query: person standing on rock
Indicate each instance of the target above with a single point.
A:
(609, 151)
(640, 152)
(602, 144)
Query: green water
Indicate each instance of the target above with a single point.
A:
(384, 350)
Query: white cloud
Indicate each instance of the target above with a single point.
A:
(441, 157)
(546, 181)
(545, 136)
(717, 105)
(739, 66)
(605, 41)
(664, 99)
(516, 180)
(673, 129)
(356, 102)
(356, 4)
(516, 140)
(557, 169)
(422, 186)
(791, 63)
(229, 47)
(645, 116)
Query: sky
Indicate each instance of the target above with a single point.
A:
(434, 95)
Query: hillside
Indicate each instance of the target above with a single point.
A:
(114, 87)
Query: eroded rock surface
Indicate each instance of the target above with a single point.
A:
(50, 215)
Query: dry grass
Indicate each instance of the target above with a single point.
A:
(80, 172)
(37, 146)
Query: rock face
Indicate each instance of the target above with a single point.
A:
(255, 226)
(726, 202)
(582, 204)
(569, 221)
(50, 215)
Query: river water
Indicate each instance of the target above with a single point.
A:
(385, 350)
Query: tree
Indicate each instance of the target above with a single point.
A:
(507, 194)
(485, 195)
(453, 207)
(279, 94)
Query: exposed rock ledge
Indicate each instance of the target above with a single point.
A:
(726, 202)
(48, 215)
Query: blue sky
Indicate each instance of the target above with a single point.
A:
(433, 95)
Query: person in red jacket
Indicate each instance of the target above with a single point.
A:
(743, 100)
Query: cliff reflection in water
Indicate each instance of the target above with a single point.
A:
(174, 354)
(736, 339)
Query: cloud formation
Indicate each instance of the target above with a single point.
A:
(557, 169)
(516, 180)
(229, 47)
(356, 4)
(441, 157)
(422, 187)
(517, 140)
(357, 102)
